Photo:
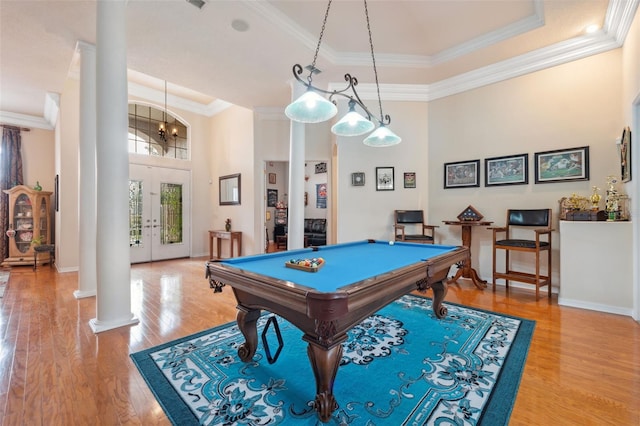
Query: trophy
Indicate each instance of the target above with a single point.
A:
(611, 202)
(595, 199)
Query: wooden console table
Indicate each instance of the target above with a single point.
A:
(465, 270)
(232, 236)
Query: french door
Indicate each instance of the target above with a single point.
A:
(159, 214)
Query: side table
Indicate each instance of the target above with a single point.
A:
(232, 236)
(465, 270)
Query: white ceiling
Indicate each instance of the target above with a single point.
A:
(424, 49)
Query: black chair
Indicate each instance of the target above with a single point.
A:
(537, 221)
(407, 222)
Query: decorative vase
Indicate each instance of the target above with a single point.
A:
(227, 227)
(37, 187)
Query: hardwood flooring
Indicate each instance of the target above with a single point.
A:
(583, 367)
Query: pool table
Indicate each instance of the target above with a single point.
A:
(355, 280)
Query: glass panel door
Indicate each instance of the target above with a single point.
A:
(159, 215)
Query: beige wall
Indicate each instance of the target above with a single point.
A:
(232, 152)
(67, 143)
(572, 105)
(38, 151)
(631, 114)
(364, 212)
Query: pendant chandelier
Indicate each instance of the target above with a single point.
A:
(162, 129)
(312, 107)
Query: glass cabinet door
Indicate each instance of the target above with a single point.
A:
(43, 227)
(23, 222)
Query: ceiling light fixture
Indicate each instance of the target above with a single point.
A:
(312, 107)
(590, 29)
(162, 128)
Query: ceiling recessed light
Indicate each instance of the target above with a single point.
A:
(239, 25)
(590, 29)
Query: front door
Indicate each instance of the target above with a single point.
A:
(159, 214)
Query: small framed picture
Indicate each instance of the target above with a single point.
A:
(410, 179)
(384, 178)
(625, 155)
(462, 174)
(357, 179)
(562, 165)
(509, 170)
(272, 178)
(272, 197)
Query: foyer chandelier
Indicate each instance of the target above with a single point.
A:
(313, 107)
(162, 128)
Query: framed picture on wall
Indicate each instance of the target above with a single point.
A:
(462, 174)
(510, 170)
(272, 197)
(384, 178)
(272, 178)
(410, 179)
(625, 155)
(562, 165)
(357, 179)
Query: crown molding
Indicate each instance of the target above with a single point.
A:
(157, 97)
(24, 120)
(309, 40)
(619, 18)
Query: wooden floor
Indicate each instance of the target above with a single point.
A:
(583, 367)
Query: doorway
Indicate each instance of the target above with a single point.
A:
(159, 213)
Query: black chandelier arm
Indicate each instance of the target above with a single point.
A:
(352, 82)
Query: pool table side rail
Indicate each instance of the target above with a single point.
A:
(292, 297)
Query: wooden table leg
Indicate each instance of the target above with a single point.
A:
(465, 270)
(247, 319)
(325, 362)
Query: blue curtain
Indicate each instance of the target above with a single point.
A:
(10, 176)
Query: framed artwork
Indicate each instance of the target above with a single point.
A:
(384, 178)
(321, 168)
(625, 155)
(56, 192)
(562, 165)
(509, 170)
(462, 174)
(272, 197)
(357, 179)
(272, 178)
(410, 179)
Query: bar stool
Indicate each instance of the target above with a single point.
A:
(44, 248)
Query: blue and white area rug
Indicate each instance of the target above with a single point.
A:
(401, 366)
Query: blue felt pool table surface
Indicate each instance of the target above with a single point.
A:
(345, 264)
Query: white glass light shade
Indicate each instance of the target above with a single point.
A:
(382, 137)
(311, 108)
(352, 124)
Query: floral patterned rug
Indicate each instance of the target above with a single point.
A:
(401, 366)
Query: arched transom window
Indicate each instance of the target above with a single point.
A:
(155, 132)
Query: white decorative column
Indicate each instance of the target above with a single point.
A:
(113, 301)
(297, 141)
(87, 173)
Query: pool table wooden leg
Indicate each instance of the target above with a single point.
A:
(439, 292)
(247, 319)
(325, 362)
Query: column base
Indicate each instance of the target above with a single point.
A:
(100, 326)
(81, 294)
